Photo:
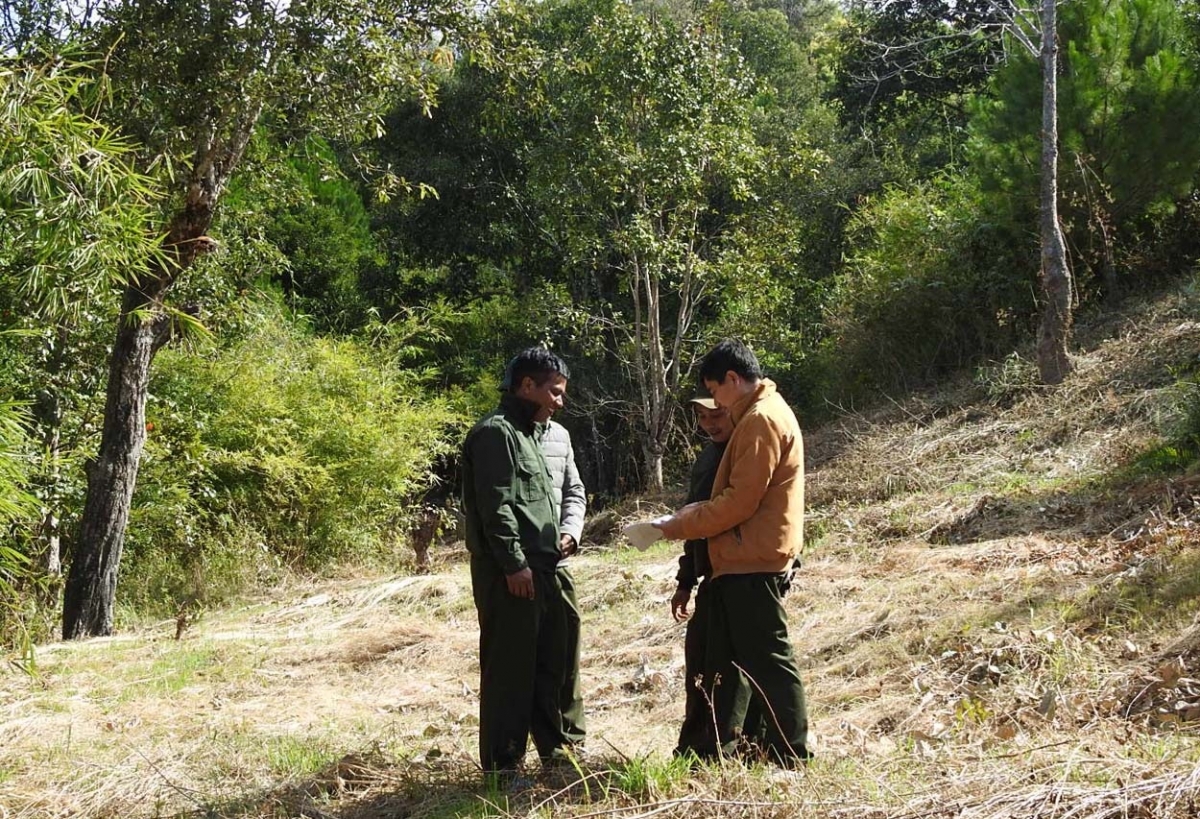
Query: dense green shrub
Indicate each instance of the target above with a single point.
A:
(932, 286)
(15, 505)
(283, 449)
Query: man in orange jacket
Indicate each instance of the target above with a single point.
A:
(754, 523)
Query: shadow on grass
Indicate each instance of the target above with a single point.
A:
(1123, 553)
(373, 787)
(1163, 586)
(1123, 504)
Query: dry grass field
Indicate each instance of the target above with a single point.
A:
(997, 618)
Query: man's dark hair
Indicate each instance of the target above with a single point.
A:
(730, 354)
(536, 362)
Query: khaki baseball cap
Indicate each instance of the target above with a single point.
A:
(707, 403)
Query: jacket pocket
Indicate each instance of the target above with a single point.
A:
(722, 549)
(531, 481)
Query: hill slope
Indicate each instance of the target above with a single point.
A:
(995, 619)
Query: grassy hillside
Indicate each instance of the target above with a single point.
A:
(996, 618)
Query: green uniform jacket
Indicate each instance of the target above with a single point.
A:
(694, 563)
(507, 496)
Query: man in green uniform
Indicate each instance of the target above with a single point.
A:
(512, 528)
(696, 734)
(570, 496)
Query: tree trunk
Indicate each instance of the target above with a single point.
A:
(111, 476)
(1055, 327)
(48, 412)
(144, 326)
(648, 365)
(1108, 267)
(653, 462)
(48, 532)
(655, 382)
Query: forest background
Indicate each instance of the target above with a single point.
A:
(261, 264)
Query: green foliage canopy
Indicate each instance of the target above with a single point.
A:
(638, 153)
(1129, 105)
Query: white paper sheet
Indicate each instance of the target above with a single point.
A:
(642, 535)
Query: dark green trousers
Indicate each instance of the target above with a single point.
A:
(522, 665)
(747, 632)
(573, 724)
(697, 733)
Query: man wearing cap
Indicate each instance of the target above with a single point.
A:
(512, 533)
(696, 735)
(754, 526)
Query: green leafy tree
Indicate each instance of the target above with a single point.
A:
(25, 24)
(16, 504)
(486, 237)
(792, 244)
(14, 500)
(642, 153)
(1128, 105)
(193, 80)
(916, 60)
(318, 221)
(473, 238)
(926, 34)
